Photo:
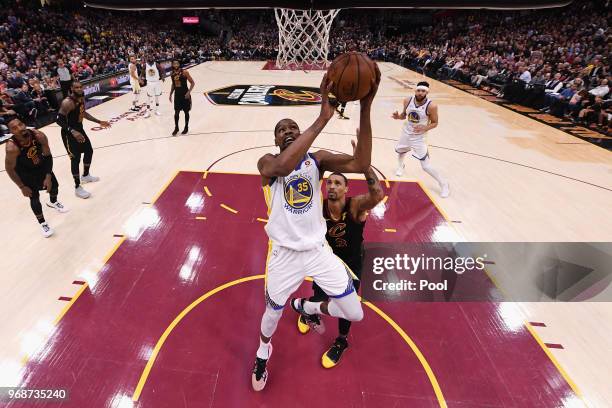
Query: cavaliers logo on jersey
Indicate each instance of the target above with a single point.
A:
(298, 194)
(33, 155)
(176, 77)
(337, 230)
(413, 117)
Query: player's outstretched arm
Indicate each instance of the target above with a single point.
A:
(375, 195)
(282, 165)
(102, 123)
(362, 156)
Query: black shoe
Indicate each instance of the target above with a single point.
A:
(312, 320)
(332, 357)
(184, 132)
(175, 131)
(135, 108)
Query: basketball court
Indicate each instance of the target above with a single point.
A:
(150, 293)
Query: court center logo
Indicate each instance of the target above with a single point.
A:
(298, 194)
(265, 95)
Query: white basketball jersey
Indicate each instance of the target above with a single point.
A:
(151, 72)
(130, 65)
(416, 115)
(295, 211)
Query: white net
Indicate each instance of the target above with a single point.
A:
(303, 38)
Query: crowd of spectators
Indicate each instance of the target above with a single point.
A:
(555, 60)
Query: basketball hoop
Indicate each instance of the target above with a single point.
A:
(303, 38)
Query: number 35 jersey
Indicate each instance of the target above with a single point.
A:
(295, 212)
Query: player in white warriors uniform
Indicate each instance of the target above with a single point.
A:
(134, 81)
(421, 115)
(154, 77)
(296, 228)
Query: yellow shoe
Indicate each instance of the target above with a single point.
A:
(331, 358)
(302, 326)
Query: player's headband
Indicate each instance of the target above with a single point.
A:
(422, 88)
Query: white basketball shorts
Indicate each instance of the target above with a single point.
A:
(286, 270)
(135, 86)
(154, 88)
(417, 145)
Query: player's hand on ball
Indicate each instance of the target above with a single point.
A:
(26, 191)
(327, 110)
(105, 124)
(367, 100)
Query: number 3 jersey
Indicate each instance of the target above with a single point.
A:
(295, 215)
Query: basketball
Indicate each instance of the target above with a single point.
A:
(352, 74)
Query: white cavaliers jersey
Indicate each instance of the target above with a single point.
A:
(416, 115)
(295, 209)
(130, 65)
(151, 72)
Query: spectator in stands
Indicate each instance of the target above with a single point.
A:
(591, 112)
(5, 113)
(16, 80)
(602, 90)
(559, 102)
(575, 104)
(65, 78)
(24, 105)
(3, 83)
(40, 100)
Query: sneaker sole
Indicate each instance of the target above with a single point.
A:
(303, 328)
(59, 211)
(328, 363)
(256, 384)
(320, 328)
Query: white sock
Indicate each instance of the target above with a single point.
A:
(312, 307)
(400, 159)
(264, 350)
